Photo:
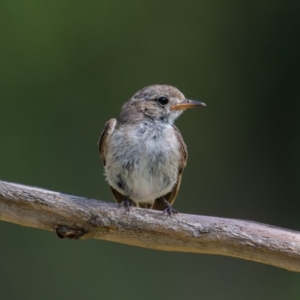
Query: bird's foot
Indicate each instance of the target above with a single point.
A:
(169, 209)
(127, 204)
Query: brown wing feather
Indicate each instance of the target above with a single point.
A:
(159, 203)
(117, 196)
(183, 147)
(107, 131)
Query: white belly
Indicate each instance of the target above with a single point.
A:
(143, 166)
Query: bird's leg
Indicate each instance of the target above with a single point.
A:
(169, 209)
(127, 203)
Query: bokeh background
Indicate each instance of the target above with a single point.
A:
(66, 67)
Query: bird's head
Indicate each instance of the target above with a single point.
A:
(159, 102)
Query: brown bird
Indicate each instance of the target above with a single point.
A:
(143, 152)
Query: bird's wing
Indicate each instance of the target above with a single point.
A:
(159, 203)
(183, 149)
(105, 135)
(102, 143)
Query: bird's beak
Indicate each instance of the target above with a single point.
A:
(187, 104)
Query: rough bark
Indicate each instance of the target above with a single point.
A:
(77, 217)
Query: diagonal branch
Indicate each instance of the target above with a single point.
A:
(75, 217)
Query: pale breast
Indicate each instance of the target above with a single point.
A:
(142, 161)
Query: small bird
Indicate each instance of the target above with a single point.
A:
(143, 152)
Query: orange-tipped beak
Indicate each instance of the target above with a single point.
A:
(187, 104)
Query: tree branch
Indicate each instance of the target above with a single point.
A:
(75, 217)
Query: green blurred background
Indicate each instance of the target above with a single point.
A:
(67, 66)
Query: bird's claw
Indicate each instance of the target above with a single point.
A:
(170, 211)
(127, 204)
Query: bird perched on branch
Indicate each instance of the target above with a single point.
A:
(143, 152)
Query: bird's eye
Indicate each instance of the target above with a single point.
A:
(163, 100)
